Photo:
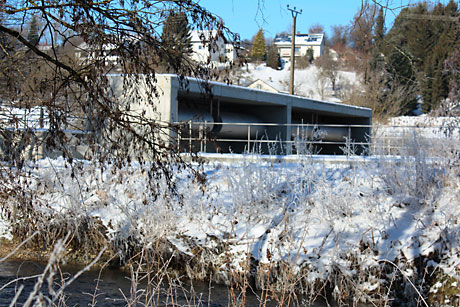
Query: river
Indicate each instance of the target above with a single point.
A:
(114, 288)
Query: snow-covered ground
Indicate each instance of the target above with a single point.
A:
(307, 81)
(323, 220)
(316, 217)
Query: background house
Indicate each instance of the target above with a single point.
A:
(303, 42)
(220, 50)
(261, 85)
(107, 53)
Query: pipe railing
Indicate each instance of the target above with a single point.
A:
(374, 139)
(204, 133)
(383, 139)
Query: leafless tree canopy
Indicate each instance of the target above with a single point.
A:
(65, 70)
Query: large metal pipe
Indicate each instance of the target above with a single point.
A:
(225, 125)
(231, 126)
(197, 117)
(325, 133)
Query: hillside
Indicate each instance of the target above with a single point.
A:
(308, 81)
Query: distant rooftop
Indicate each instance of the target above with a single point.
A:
(204, 35)
(300, 38)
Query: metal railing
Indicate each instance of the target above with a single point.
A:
(36, 119)
(202, 136)
(370, 139)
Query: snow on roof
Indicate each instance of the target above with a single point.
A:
(206, 35)
(308, 39)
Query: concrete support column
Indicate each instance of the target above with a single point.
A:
(168, 104)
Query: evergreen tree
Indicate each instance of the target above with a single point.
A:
(33, 36)
(310, 55)
(393, 78)
(273, 58)
(177, 40)
(259, 49)
(416, 50)
(445, 36)
(379, 30)
(436, 76)
(376, 61)
(419, 36)
(452, 65)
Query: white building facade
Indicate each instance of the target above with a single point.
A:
(108, 54)
(206, 48)
(303, 42)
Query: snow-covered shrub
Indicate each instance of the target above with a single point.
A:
(369, 229)
(412, 172)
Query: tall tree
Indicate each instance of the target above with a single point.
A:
(176, 37)
(115, 132)
(452, 65)
(33, 35)
(316, 28)
(362, 28)
(376, 61)
(259, 48)
(273, 57)
(445, 37)
(35, 76)
(361, 36)
(416, 48)
(339, 39)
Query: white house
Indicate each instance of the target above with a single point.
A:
(261, 85)
(108, 53)
(303, 42)
(220, 50)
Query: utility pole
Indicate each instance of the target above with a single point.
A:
(294, 13)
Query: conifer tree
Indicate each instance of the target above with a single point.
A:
(177, 40)
(416, 50)
(445, 36)
(392, 76)
(452, 64)
(376, 61)
(273, 58)
(379, 31)
(259, 48)
(33, 35)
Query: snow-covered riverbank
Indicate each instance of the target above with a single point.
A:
(355, 227)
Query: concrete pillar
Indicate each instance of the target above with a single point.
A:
(168, 103)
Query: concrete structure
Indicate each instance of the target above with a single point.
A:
(303, 42)
(232, 118)
(219, 50)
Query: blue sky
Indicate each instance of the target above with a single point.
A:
(246, 17)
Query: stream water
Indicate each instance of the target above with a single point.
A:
(114, 288)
